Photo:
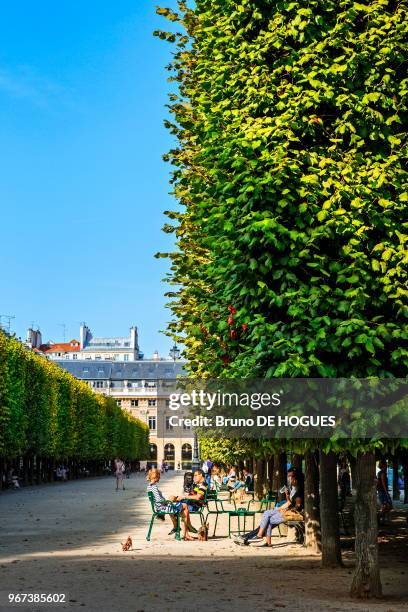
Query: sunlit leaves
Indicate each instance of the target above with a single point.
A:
(45, 411)
(291, 170)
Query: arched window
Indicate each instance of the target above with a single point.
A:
(186, 456)
(153, 452)
(186, 452)
(169, 452)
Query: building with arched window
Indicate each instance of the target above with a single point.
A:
(137, 387)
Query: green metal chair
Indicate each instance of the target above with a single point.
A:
(202, 506)
(266, 503)
(222, 490)
(156, 513)
(240, 513)
(215, 506)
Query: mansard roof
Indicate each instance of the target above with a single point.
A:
(143, 369)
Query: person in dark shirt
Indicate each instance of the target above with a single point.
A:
(249, 481)
(196, 498)
(298, 474)
(382, 490)
(344, 482)
(294, 492)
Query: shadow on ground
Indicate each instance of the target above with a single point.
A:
(136, 581)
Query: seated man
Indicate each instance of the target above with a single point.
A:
(246, 485)
(270, 519)
(195, 498)
(249, 481)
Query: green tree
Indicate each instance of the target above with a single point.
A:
(290, 166)
(48, 415)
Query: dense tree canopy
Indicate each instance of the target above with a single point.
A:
(291, 172)
(44, 411)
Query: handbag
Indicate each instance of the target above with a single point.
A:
(292, 515)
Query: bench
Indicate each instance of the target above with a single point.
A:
(299, 527)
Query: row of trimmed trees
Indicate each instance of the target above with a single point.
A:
(48, 416)
(319, 460)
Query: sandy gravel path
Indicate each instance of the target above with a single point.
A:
(65, 538)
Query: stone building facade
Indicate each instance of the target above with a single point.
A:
(136, 388)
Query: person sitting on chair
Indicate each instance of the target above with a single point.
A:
(216, 479)
(270, 519)
(249, 481)
(174, 506)
(195, 499)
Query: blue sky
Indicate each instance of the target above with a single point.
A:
(82, 101)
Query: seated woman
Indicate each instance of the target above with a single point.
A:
(174, 506)
(231, 477)
(216, 480)
(247, 483)
(295, 491)
(270, 519)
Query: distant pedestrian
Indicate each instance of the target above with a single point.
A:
(382, 490)
(344, 482)
(119, 473)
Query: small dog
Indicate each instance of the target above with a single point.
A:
(128, 544)
(202, 534)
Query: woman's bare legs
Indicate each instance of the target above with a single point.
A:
(186, 522)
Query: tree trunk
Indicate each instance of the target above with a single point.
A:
(37, 470)
(279, 471)
(26, 464)
(353, 471)
(270, 473)
(2, 473)
(260, 478)
(366, 580)
(312, 511)
(329, 512)
(395, 487)
(297, 461)
(404, 462)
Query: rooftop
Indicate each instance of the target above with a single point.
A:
(145, 369)
(61, 347)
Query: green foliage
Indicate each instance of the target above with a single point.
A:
(290, 168)
(45, 411)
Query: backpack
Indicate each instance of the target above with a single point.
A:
(188, 482)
